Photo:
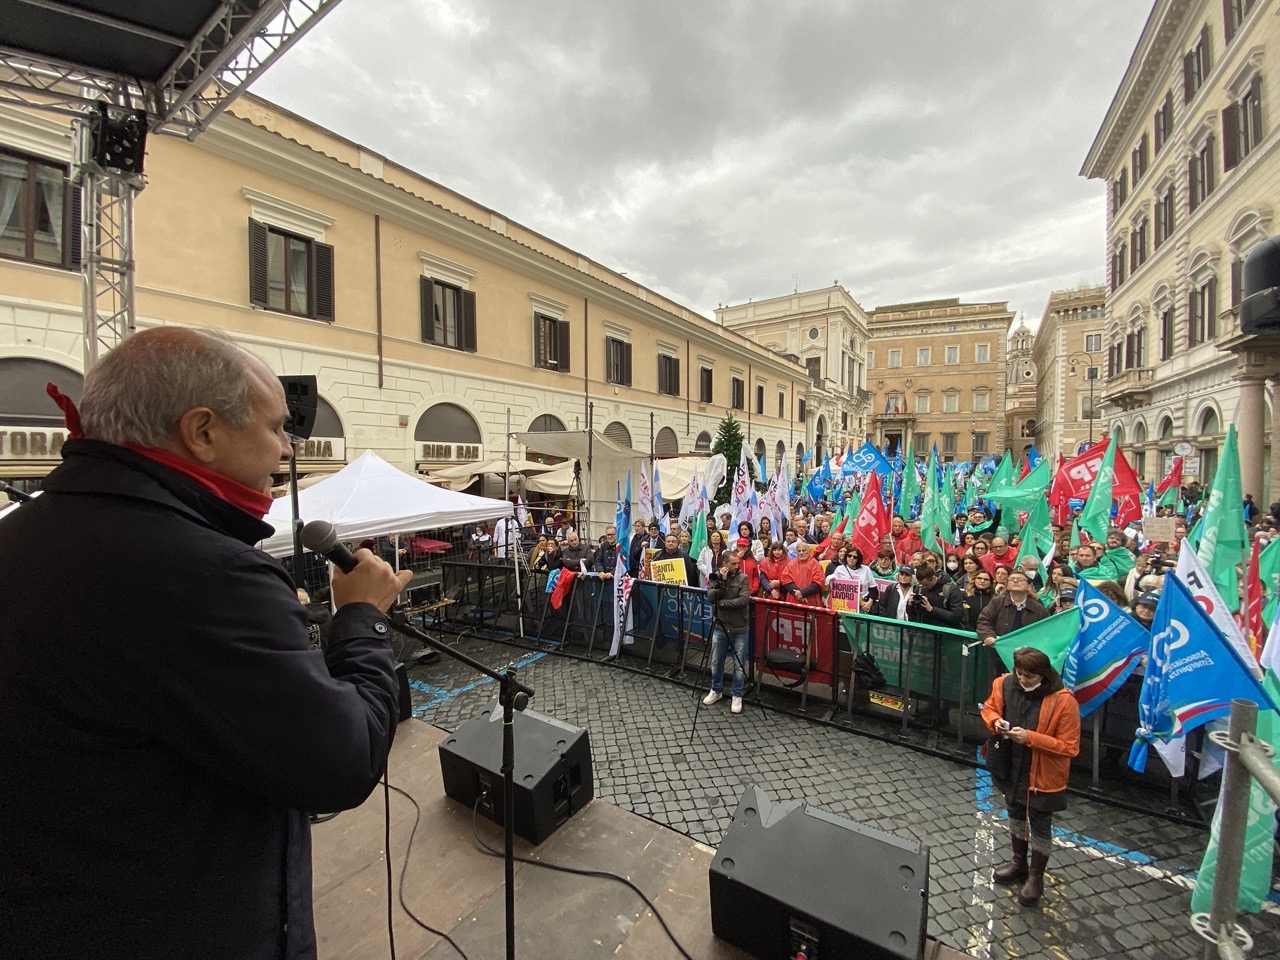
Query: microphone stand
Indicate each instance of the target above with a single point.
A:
(513, 695)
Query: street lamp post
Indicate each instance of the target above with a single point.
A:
(1075, 360)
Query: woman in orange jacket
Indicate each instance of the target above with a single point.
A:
(1037, 721)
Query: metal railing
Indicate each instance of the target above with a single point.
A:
(1248, 759)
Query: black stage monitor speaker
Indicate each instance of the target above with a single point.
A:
(1260, 306)
(552, 772)
(789, 876)
(302, 398)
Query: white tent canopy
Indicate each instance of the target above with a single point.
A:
(676, 475)
(369, 498)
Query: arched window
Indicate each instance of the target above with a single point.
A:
(447, 423)
(665, 443)
(703, 443)
(546, 424)
(618, 433)
(328, 423)
(1209, 423)
(23, 402)
(779, 452)
(1166, 428)
(759, 447)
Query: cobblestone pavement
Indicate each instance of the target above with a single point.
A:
(1118, 884)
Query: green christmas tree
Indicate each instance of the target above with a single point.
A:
(729, 444)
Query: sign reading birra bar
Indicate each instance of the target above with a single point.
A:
(25, 444)
(461, 452)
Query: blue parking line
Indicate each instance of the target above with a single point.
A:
(439, 695)
(985, 795)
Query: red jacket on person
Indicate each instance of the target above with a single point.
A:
(905, 545)
(990, 561)
(809, 577)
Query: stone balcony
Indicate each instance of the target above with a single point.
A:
(1130, 388)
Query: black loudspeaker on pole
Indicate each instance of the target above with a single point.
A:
(1260, 307)
(302, 398)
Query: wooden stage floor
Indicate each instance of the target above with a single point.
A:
(454, 886)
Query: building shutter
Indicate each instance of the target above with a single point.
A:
(1230, 136)
(1211, 309)
(1208, 166)
(427, 309)
(1255, 111)
(1236, 290)
(562, 346)
(626, 364)
(322, 277)
(1193, 192)
(1228, 26)
(1192, 300)
(74, 213)
(468, 321)
(258, 289)
(1188, 81)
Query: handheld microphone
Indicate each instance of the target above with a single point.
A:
(319, 537)
(14, 494)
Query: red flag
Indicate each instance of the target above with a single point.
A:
(1254, 596)
(825, 545)
(1173, 479)
(1026, 468)
(563, 583)
(872, 523)
(1059, 494)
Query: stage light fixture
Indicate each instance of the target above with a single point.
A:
(119, 142)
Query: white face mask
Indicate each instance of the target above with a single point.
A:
(953, 566)
(1026, 689)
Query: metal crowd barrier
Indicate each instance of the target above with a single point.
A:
(1248, 759)
(808, 633)
(481, 591)
(668, 618)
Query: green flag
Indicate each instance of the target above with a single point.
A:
(1052, 637)
(1223, 537)
(1095, 518)
(1075, 535)
(1024, 494)
(697, 540)
(1169, 498)
(1037, 534)
(1003, 480)
(1269, 573)
(1255, 872)
(930, 503)
(910, 484)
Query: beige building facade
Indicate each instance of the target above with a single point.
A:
(1190, 150)
(826, 332)
(426, 317)
(1069, 358)
(936, 374)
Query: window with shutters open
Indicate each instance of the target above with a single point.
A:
(617, 361)
(290, 273)
(1242, 125)
(1195, 66)
(706, 385)
(550, 343)
(668, 375)
(448, 315)
(39, 211)
(737, 391)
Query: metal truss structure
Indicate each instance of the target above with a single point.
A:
(204, 73)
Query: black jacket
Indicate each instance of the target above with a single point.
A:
(605, 559)
(945, 600)
(165, 724)
(731, 599)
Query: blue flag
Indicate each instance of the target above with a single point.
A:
(847, 466)
(764, 477)
(1108, 647)
(866, 459)
(1193, 673)
(806, 457)
(622, 518)
(659, 508)
(814, 487)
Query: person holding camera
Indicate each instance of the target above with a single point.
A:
(730, 597)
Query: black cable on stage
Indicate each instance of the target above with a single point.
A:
(600, 874)
(417, 818)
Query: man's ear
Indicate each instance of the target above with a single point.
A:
(197, 429)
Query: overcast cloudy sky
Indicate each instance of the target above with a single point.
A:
(720, 151)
